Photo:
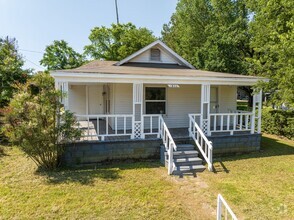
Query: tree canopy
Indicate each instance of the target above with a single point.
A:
(212, 35)
(59, 55)
(273, 45)
(11, 69)
(118, 41)
(243, 37)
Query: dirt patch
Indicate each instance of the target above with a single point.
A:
(192, 193)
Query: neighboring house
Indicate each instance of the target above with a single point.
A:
(126, 108)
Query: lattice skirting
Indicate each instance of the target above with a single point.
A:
(137, 129)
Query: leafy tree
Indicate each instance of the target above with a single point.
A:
(118, 41)
(273, 44)
(212, 35)
(61, 56)
(37, 123)
(11, 69)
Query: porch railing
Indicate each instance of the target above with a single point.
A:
(151, 124)
(168, 143)
(231, 122)
(97, 127)
(203, 144)
(221, 202)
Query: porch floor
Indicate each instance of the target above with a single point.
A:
(91, 133)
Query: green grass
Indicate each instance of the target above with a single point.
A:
(257, 186)
(242, 105)
(140, 190)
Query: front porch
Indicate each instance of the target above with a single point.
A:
(139, 117)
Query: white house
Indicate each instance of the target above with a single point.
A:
(156, 94)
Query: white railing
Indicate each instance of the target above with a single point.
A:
(97, 127)
(231, 122)
(220, 213)
(151, 124)
(203, 144)
(169, 144)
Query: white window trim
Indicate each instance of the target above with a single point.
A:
(166, 98)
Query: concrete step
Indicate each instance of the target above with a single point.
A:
(181, 147)
(188, 169)
(183, 154)
(188, 161)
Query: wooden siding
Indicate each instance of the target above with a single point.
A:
(227, 98)
(77, 99)
(145, 58)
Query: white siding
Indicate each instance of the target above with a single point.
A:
(181, 102)
(77, 99)
(123, 98)
(95, 99)
(145, 58)
(227, 98)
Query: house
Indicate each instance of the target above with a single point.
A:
(154, 98)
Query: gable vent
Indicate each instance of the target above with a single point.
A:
(155, 54)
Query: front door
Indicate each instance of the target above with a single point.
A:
(95, 99)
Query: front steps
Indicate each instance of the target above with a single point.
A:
(186, 160)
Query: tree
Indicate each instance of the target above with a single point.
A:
(36, 122)
(118, 41)
(61, 56)
(11, 69)
(273, 44)
(211, 34)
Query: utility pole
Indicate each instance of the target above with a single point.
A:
(117, 19)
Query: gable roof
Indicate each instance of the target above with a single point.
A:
(160, 44)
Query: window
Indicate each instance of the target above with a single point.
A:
(155, 100)
(155, 54)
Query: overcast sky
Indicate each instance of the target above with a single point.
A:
(36, 23)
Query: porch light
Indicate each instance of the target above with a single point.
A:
(173, 86)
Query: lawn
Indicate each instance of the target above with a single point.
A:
(256, 185)
(121, 191)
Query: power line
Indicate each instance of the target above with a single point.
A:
(32, 51)
(34, 63)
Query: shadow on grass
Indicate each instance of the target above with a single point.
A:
(88, 175)
(219, 167)
(269, 147)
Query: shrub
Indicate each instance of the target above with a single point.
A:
(278, 122)
(36, 122)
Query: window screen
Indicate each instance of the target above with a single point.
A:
(155, 100)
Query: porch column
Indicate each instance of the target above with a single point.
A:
(137, 131)
(205, 108)
(63, 87)
(257, 103)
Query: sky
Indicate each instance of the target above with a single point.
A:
(37, 23)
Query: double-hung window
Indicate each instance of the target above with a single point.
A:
(155, 100)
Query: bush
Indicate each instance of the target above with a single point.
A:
(36, 122)
(278, 122)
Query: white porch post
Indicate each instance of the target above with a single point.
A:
(257, 102)
(63, 87)
(205, 108)
(138, 130)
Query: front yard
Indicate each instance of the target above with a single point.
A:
(256, 185)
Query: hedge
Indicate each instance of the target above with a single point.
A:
(278, 122)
